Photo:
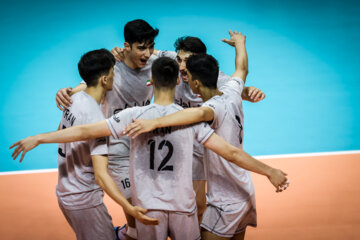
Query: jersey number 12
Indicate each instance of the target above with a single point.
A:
(162, 166)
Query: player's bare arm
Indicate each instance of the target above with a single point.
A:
(252, 94)
(73, 134)
(63, 96)
(245, 161)
(237, 40)
(103, 179)
(183, 117)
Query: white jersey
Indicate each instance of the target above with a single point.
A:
(185, 97)
(76, 187)
(161, 160)
(129, 89)
(227, 183)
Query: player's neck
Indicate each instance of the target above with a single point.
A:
(164, 97)
(207, 93)
(128, 62)
(97, 93)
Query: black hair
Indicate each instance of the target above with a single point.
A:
(94, 64)
(139, 31)
(165, 72)
(205, 68)
(190, 44)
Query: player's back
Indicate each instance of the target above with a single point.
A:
(161, 160)
(76, 184)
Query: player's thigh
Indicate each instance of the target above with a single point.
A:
(206, 235)
(184, 226)
(228, 220)
(151, 232)
(239, 236)
(92, 223)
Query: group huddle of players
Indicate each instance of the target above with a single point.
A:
(176, 166)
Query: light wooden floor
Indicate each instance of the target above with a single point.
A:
(323, 202)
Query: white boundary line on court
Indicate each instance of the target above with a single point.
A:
(295, 155)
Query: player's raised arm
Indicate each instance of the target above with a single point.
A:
(252, 94)
(63, 99)
(183, 117)
(244, 160)
(73, 134)
(103, 179)
(237, 40)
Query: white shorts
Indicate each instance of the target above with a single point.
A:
(176, 225)
(93, 223)
(230, 219)
(121, 177)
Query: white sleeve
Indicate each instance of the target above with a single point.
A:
(120, 120)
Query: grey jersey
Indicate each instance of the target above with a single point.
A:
(227, 183)
(161, 160)
(129, 89)
(76, 187)
(185, 97)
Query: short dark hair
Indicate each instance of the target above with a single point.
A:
(190, 44)
(165, 72)
(139, 31)
(94, 64)
(205, 68)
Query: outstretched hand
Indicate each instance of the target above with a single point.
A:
(279, 180)
(24, 146)
(118, 54)
(139, 214)
(234, 38)
(254, 95)
(139, 126)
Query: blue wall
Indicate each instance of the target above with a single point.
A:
(304, 55)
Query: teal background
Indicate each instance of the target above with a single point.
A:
(303, 54)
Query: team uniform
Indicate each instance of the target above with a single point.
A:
(79, 197)
(160, 172)
(231, 197)
(129, 89)
(185, 97)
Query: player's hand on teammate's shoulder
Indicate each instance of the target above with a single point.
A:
(139, 214)
(24, 146)
(278, 179)
(63, 99)
(235, 37)
(118, 54)
(253, 94)
(140, 126)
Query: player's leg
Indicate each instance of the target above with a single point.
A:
(151, 232)
(206, 235)
(93, 223)
(200, 191)
(239, 236)
(227, 221)
(184, 226)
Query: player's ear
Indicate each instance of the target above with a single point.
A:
(103, 80)
(197, 84)
(127, 46)
(151, 81)
(178, 80)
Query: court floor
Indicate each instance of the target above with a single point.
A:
(322, 202)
